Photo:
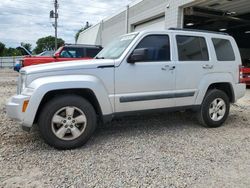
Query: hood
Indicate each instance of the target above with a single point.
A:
(24, 51)
(67, 65)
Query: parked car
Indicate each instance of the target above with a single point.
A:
(24, 51)
(64, 53)
(246, 71)
(139, 72)
(18, 64)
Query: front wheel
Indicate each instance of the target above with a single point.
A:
(214, 109)
(67, 122)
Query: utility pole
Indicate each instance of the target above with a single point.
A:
(56, 17)
(54, 14)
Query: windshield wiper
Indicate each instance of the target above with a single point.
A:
(99, 57)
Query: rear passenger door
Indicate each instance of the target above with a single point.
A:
(192, 64)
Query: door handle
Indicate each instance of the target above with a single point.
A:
(167, 67)
(207, 66)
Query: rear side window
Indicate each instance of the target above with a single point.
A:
(158, 47)
(191, 48)
(92, 52)
(224, 50)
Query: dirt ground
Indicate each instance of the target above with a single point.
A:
(161, 150)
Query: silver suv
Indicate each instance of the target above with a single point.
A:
(136, 73)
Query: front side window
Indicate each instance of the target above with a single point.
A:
(192, 48)
(158, 47)
(72, 53)
(224, 50)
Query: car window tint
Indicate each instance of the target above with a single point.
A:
(72, 53)
(158, 47)
(92, 52)
(191, 48)
(224, 50)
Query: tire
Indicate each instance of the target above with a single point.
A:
(67, 122)
(212, 115)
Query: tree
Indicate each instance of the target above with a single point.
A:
(87, 25)
(8, 51)
(11, 52)
(47, 43)
(2, 47)
(26, 45)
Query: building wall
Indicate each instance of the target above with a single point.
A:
(91, 35)
(144, 11)
(113, 27)
(138, 13)
(174, 12)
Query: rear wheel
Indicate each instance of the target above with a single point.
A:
(214, 109)
(67, 122)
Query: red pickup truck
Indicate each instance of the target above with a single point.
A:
(64, 53)
(245, 71)
(246, 74)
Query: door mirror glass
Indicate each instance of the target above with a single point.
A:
(139, 55)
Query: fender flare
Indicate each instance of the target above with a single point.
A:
(210, 79)
(44, 85)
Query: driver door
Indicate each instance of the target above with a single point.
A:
(149, 83)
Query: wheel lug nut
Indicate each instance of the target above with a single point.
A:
(71, 126)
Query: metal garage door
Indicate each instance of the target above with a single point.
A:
(156, 24)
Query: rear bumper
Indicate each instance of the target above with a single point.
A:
(14, 107)
(240, 90)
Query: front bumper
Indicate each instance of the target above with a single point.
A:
(14, 107)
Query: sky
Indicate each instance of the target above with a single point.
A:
(28, 20)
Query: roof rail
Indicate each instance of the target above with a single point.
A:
(197, 30)
(90, 45)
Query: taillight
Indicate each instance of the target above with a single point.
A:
(241, 76)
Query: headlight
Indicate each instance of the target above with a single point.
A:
(21, 83)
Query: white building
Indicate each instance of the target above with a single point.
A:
(232, 16)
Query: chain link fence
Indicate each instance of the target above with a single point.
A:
(9, 62)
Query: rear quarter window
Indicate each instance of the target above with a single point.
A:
(223, 49)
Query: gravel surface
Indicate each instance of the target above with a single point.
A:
(163, 150)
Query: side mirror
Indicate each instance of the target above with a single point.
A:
(140, 54)
(56, 55)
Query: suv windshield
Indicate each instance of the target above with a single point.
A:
(115, 49)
